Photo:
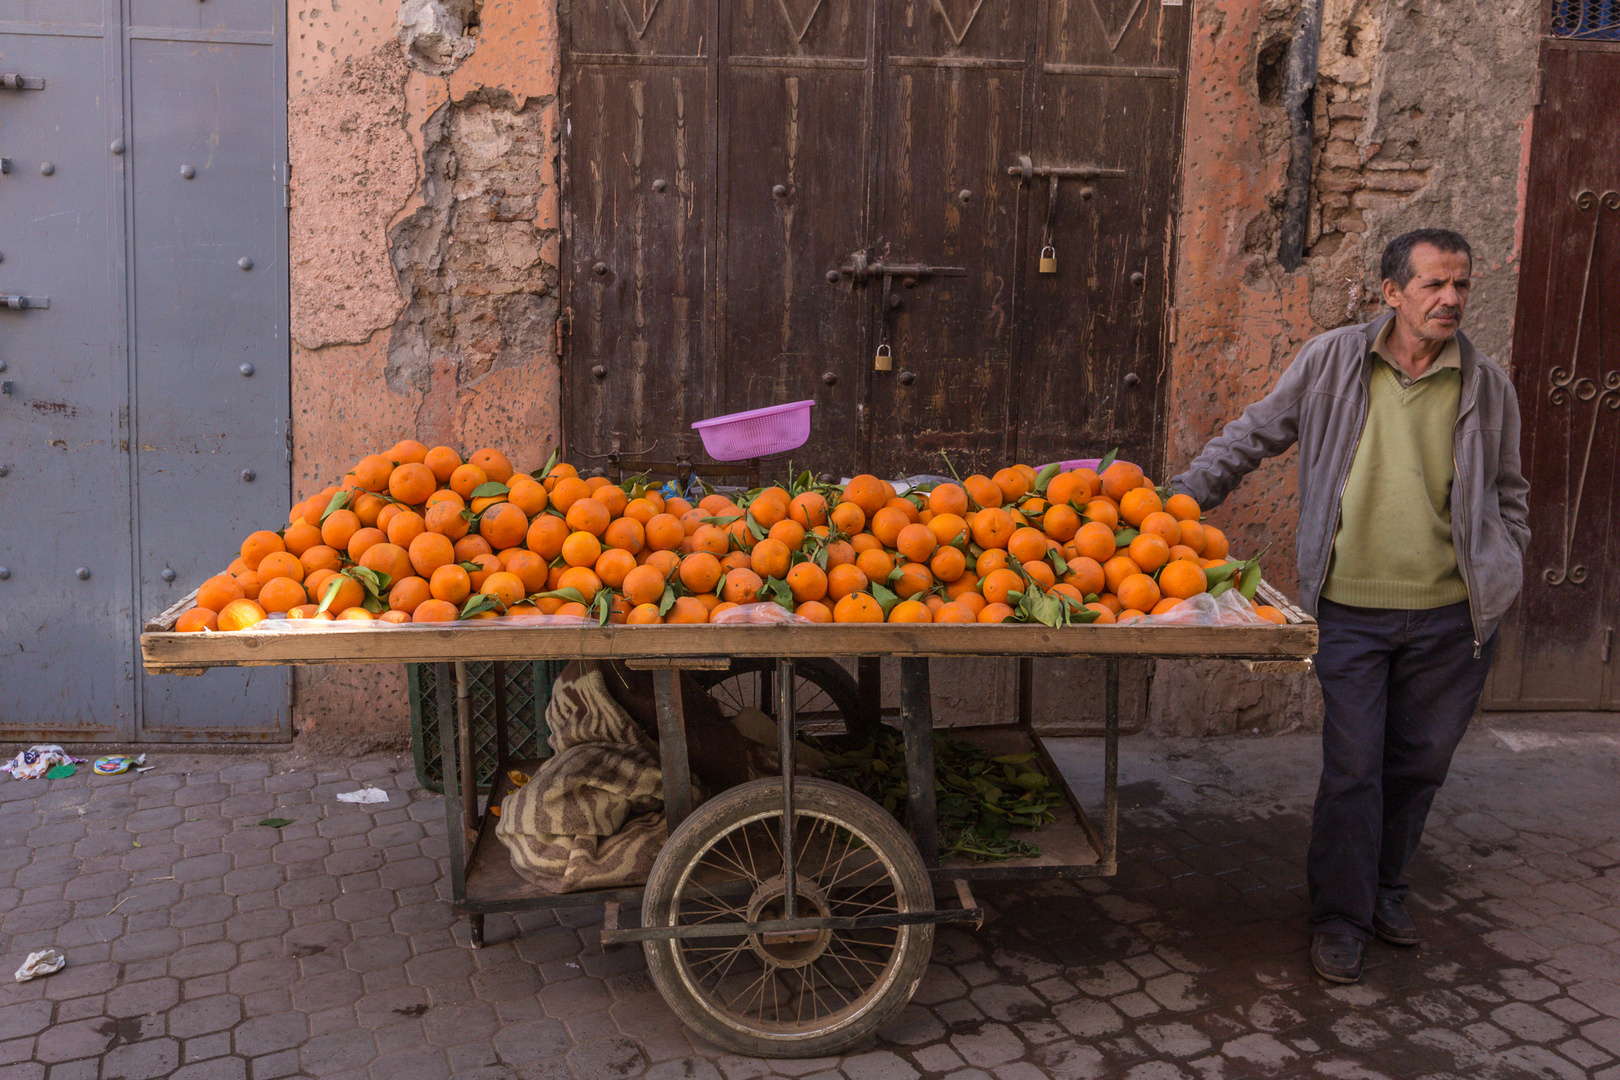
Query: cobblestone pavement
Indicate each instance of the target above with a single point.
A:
(202, 944)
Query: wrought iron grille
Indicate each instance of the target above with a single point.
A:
(528, 692)
(1590, 20)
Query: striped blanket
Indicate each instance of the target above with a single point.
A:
(592, 816)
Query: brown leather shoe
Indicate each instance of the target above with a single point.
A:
(1337, 957)
(1391, 922)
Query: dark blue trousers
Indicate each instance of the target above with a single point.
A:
(1399, 688)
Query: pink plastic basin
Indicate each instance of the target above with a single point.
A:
(757, 432)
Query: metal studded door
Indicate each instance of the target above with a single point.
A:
(154, 389)
(66, 619)
(1558, 648)
(207, 160)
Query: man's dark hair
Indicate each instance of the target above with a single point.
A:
(1396, 264)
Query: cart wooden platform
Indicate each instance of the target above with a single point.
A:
(767, 939)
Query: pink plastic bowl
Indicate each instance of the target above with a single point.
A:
(1077, 463)
(756, 433)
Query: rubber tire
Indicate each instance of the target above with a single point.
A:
(723, 812)
(827, 673)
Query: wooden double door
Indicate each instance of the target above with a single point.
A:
(1558, 647)
(759, 194)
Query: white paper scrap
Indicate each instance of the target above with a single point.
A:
(364, 795)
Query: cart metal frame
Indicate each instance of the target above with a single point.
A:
(475, 854)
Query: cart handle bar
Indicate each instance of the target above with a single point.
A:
(973, 915)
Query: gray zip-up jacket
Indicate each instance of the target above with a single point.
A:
(1321, 403)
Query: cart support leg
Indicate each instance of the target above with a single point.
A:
(917, 720)
(672, 746)
(450, 774)
(1026, 692)
(785, 717)
(1111, 769)
(869, 677)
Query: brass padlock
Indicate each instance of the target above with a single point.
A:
(884, 361)
(1048, 260)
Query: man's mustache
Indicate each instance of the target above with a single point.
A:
(1446, 313)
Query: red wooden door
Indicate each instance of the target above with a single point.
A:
(1557, 648)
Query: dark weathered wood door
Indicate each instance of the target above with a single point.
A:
(842, 134)
(1557, 648)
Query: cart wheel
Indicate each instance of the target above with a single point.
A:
(827, 697)
(819, 993)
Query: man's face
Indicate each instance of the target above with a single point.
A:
(1431, 305)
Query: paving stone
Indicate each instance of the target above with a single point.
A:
(992, 1044)
(617, 1057)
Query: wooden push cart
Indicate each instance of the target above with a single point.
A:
(766, 939)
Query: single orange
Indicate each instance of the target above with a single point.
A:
(914, 578)
(991, 559)
(1117, 569)
(809, 509)
(1061, 523)
(472, 545)
(614, 565)
(867, 492)
(687, 609)
(1013, 483)
(1215, 545)
(506, 587)
(218, 591)
(844, 580)
(364, 541)
(390, 559)
(582, 578)
(1086, 574)
(1168, 603)
(887, 523)
(1103, 511)
(700, 571)
(493, 462)
(298, 539)
(262, 543)
(281, 594)
(995, 613)
(815, 611)
(770, 558)
(643, 585)
(1138, 591)
(280, 564)
(983, 491)
(807, 582)
(993, 528)
(1182, 579)
(248, 582)
(742, 586)
(788, 533)
(948, 528)
(875, 563)
(849, 517)
(1105, 614)
(1027, 545)
(1043, 574)
(430, 551)
(1162, 525)
(1095, 540)
(450, 583)
(947, 563)
(954, 612)
(1119, 478)
(998, 583)
(840, 553)
(711, 538)
(857, 607)
(1149, 552)
(588, 515)
(916, 542)
(948, 499)
(910, 611)
(240, 614)
(1183, 507)
(412, 483)
(409, 593)
(435, 611)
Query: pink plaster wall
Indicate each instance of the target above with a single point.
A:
(359, 116)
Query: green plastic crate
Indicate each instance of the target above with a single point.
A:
(528, 692)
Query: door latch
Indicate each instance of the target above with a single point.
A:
(11, 81)
(19, 303)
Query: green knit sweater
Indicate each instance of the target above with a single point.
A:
(1393, 547)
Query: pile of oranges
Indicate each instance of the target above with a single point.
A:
(419, 535)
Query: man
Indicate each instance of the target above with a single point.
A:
(1411, 538)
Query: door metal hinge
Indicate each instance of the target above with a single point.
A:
(1175, 325)
(21, 82)
(20, 303)
(286, 185)
(286, 432)
(1541, 86)
(1608, 643)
